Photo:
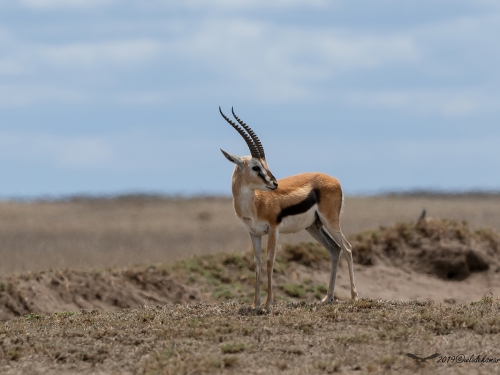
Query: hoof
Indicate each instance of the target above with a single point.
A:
(354, 296)
(327, 299)
(268, 305)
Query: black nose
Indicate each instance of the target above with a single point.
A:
(275, 184)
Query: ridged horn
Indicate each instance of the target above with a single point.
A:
(252, 134)
(254, 151)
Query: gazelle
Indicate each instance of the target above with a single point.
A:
(311, 201)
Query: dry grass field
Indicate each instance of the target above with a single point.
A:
(366, 337)
(124, 231)
(149, 285)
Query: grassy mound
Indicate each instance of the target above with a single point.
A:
(220, 277)
(448, 249)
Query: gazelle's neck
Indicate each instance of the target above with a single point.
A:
(243, 198)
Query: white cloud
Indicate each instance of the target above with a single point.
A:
(24, 95)
(121, 52)
(374, 165)
(444, 102)
(71, 152)
(272, 62)
(196, 5)
(11, 67)
(461, 47)
(356, 51)
(82, 152)
(124, 152)
(284, 63)
(253, 4)
(64, 4)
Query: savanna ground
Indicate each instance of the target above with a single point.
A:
(151, 285)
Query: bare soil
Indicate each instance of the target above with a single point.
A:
(95, 233)
(440, 260)
(428, 286)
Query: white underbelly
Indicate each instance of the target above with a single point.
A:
(295, 223)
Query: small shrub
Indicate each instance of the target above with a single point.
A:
(231, 348)
(281, 365)
(307, 328)
(230, 361)
(306, 253)
(329, 366)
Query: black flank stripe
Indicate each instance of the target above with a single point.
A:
(301, 207)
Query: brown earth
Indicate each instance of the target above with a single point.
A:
(434, 259)
(96, 233)
(426, 287)
(67, 290)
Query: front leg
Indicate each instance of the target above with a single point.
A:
(256, 242)
(271, 255)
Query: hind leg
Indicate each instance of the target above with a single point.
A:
(320, 235)
(333, 229)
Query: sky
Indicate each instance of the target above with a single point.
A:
(116, 97)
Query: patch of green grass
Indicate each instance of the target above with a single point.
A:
(191, 265)
(329, 365)
(239, 261)
(306, 253)
(294, 290)
(231, 348)
(355, 339)
(223, 293)
(65, 314)
(319, 291)
(32, 316)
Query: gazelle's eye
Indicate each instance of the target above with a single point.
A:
(256, 169)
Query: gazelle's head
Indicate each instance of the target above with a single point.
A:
(252, 171)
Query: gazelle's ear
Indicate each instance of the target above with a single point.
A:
(233, 158)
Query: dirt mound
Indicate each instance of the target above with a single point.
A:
(450, 250)
(46, 292)
(396, 262)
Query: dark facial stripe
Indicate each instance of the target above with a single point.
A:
(301, 207)
(262, 176)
